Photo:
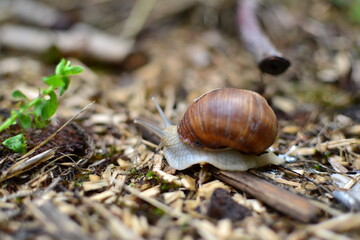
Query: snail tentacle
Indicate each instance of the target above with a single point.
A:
(161, 112)
(156, 130)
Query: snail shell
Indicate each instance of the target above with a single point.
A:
(229, 118)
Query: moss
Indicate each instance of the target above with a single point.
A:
(151, 175)
(146, 176)
(151, 213)
(166, 186)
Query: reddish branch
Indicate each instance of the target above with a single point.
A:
(268, 58)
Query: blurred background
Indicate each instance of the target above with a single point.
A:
(180, 49)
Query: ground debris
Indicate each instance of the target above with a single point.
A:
(109, 180)
(222, 206)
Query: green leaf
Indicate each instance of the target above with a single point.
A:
(66, 81)
(50, 106)
(67, 65)
(39, 110)
(54, 80)
(39, 123)
(73, 70)
(19, 94)
(60, 67)
(38, 107)
(11, 120)
(25, 121)
(44, 109)
(16, 143)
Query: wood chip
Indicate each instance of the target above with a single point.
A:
(170, 197)
(94, 178)
(302, 151)
(103, 195)
(343, 223)
(337, 144)
(95, 185)
(152, 192)
(335, 162)
(56, 223)
(291, 129)
(188, 182)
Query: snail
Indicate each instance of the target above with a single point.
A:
(228, 128)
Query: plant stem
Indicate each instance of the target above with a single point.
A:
(29, 105)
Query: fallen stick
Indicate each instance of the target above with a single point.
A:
(268, 58)
(80, 40)
(137, 18)
(35, 12)
(26, 164)
(280, 199)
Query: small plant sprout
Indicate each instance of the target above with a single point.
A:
(16, 143)
(36, 113)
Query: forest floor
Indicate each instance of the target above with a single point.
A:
(104, 177)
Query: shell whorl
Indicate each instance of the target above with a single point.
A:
(229, 118)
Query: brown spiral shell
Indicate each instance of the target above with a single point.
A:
(229, 117)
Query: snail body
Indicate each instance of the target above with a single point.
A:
(183, 148)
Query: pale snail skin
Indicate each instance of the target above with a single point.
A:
(181, 156)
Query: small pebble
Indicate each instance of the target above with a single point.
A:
(223, 206)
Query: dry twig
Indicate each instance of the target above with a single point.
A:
(284, 201)
(268, 58)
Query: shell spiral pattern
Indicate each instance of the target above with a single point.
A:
(229, 118)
